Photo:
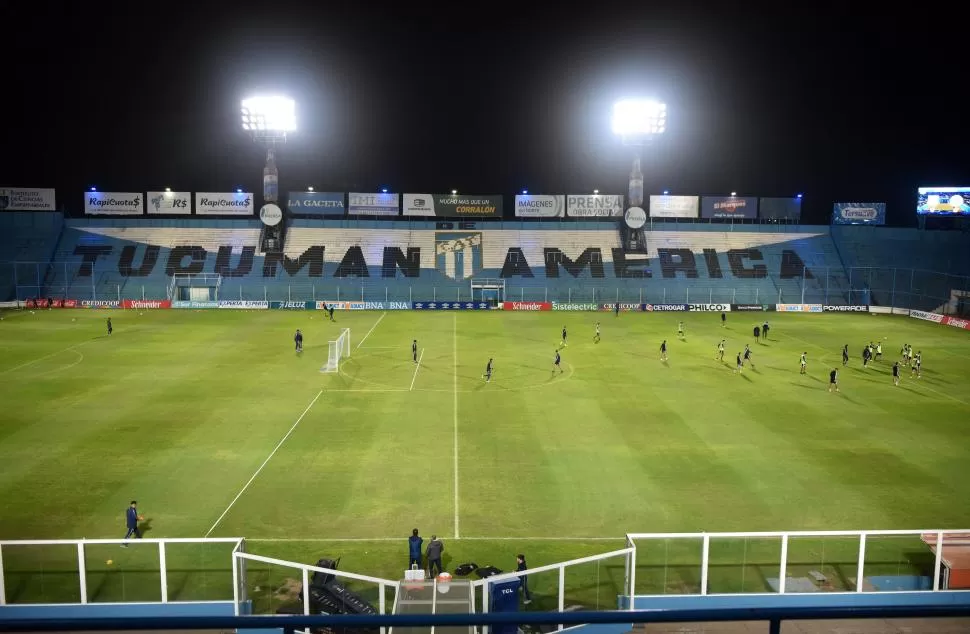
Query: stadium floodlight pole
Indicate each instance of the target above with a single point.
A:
(267, 120)
(637, 122)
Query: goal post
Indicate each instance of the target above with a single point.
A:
(337, 350)
(198, 287)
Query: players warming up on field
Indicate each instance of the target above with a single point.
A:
(878, 351)
(896, 374)
(834, 380)
(596, 337)
(555, 363)
(488, 372)
(747, 355)
(330, 311)
(109, 325)
(845, 355)
(719, 355)
(298, 340)
(414, 350)
(563, 344)
(616, 309)
(680, 329)
(737, 368)
(917, 362)
(723, 320)
(663, 350)
(866, 355)
(764, 330)
(803, 362)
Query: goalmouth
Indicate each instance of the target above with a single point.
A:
(337, 350)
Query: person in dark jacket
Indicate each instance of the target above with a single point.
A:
(414, 549)
(520, 565)
(131, 521)
(435, 548)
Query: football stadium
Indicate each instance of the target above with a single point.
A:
(354, 408)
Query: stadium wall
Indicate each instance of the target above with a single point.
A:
(422, 261)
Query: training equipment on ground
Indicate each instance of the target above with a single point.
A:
(338, 350)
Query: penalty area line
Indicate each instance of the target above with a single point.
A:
(416, 368)
(265, 462)
(361, 342)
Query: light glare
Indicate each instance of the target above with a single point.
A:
(268, 114)
(639, 117)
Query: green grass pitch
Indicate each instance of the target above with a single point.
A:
(179, 409)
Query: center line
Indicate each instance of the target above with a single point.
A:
(455, 317)
(416, 368)
(268, 458)
(359, 343)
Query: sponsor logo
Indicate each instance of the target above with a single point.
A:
(674, 206)
(451, 306)
(919, 314)
(398, 306)
(845, 309)
(957, 323)
(530, 206)
(715, 308)
(325, 305)
(99, 303)
(289, 305)
(635, 217)
(146, 303)
(859, 213)
(665, 307)
(169, 203)
(527, 306)
(623, 307)
(21, 199)
(568, 306)
(798, 308)
(368, 204)
(232, 204)
(120, 203)
(243, 304)
(195, 304)
(365, 305)
(748, 307)
(271, 215)
(731, 205)
(597, 205)
(69, 303)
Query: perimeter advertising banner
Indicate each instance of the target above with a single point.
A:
(674, 206)
(224, 204)
(169, 203)
(575, 306)
(114, 203)
(242, 304)
(539, 206)
(780, 208)
(373, 204)
(316, 203)
(451, 306)
(798, 308)
(26, 199)
(729, 207)
(859, 214)
(293, 305)
(342, 305)
(594, 205)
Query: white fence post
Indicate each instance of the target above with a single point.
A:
(705, 561)
(163, 571)
(237, 563)
(633, 573)
(936, 566)
(783, 568)
(306, 592)
(82, 572)
(562, 591)
(382, 600)
(860, 568)
(3, 590)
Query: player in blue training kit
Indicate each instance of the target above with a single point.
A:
(555, 364)
(131, 521)
(663, 350)
(109, 326)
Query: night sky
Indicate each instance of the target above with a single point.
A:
(489, 98)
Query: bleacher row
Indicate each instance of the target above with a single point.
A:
(111, 259)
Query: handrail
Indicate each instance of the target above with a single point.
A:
(289, 623)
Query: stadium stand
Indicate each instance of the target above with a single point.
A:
(30, 238)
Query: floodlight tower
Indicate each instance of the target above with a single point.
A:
(637, 122)
(267, 120)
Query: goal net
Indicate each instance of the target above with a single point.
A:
(339, 349)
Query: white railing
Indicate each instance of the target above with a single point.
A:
(627, 554)
(863, 553)
(21, 560)
(240, 559)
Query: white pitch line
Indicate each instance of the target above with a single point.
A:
(268, 458)
(416, 368)
(46, 356)
(455, 321)
(359, 343)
